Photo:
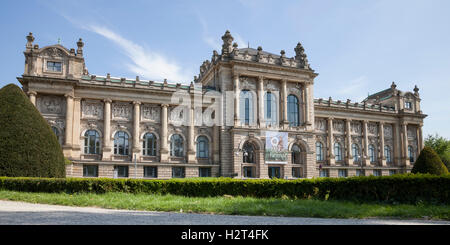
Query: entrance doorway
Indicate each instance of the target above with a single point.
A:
(274, 172)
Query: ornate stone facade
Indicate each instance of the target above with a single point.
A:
(216, 126)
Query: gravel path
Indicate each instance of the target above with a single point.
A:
(21, 213)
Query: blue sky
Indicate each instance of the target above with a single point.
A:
(357, 47)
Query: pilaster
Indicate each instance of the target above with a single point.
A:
(191, 137)
(76, 149)
(67, 148)
(331, 159)
(284, 119)
(261, 118)
(107, 130)
(381, 137)
(32, 95)
(237, 92)
(136, 122)
(349, 142)
(365, 157)
(164, 148)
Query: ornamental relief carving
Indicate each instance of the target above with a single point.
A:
(58, 123)
(248, 83)
(272, 85)
(412, 133)
(339, 139)
(373, 140)
(51, 105)
(53, 52)
(92, 109)
(178, 115)
(338, 126)
(151, 113)
(357, 140)
(148, 128)
(356, 127)
(387, 131)
(372, 128)
(121, 111)
(320, 124)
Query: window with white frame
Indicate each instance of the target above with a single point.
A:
(54, 66)
(149, 145)
(319, 151)
(176, 146)
(355, 152)
(270, 105)
(91, 142)
(202, 147)
(293, 110)
(337, 152)
(121, 143)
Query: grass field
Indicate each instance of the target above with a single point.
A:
(234, 205)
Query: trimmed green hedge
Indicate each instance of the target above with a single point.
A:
(407, 188)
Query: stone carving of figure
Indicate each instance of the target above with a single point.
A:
(227, 43)
(300, 56)
(52, 105)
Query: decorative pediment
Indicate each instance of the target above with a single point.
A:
(53, 52)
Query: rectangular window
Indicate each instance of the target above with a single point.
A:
(360, 172)
(90, 171)
(342, 173)
(150, 172)
(408, 105)
(204, 172)
(121, 171)
(296, 172)
(178, 172)
(376, 172)
(391, 172)
(248, 172)
(323, 173)
(54, 66)
(274, 172)
(247, 111)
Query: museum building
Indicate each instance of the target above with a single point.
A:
(248, 114)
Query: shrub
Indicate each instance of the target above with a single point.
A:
(406, 188)
(429, 162)
(28, 146)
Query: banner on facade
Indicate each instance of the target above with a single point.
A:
(276, 147)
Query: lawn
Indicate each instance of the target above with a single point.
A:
(234, 205)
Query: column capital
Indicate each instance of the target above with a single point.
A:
(236, 75)
(404, 123)
(107, 100)
(348, 120)
(69, 95)
(77, 98)
(260, 78)
(32, 92)
(136, 102)
(165, 105)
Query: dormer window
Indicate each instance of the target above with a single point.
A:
(54, 66)
(408, 105)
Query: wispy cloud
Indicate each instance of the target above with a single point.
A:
(143, 61)
(358, 86)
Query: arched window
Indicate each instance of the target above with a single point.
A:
(202, 147)
(319, 151)
(270, 105)
(149, 145)
(372, 154)
(248, 153)
(246, 107)
(176, 146)
(411, 154)
(293, 111)
(297, 154)
(91, 142)
(337, 152)
(56, 132)
(121, 143)
(387, 153)
(355, 152)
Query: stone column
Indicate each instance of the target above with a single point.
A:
(306, 102)
(381, 132)
(397, 145)
(32, 95)
(136, 122)
(366, 144)
(405, 143)
(107, 130)
(331, 159)
(261, 118)
(284, 119)
(164, 148)
(349, 142)
(216, 145)
(191, 137)
(237, 92)
(76, 149)
(67, 148)
(419, 139)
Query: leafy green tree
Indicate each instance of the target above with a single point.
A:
(28, 146)
(441, 146)
(429, 162)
